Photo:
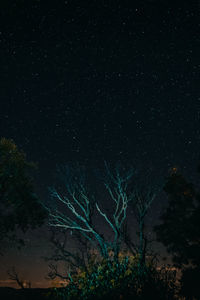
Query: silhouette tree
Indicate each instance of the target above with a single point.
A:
(19, 205)
(143, 196)
(180, 228)
(73, 259)
(13, 275)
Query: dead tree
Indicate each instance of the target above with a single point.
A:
(13, 275)
(78, 258)
(117, 183)
(143, 194)
(75, 207)
(143, 201)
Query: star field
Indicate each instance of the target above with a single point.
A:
(101, 80)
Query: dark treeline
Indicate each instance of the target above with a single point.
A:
(109, 263)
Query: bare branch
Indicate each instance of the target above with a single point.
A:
(79, 205)
(13, 275)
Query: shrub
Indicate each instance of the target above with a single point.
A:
(118, 280)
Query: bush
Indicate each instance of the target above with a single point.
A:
(118, 280)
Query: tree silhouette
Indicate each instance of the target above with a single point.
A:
(180, 228)
(19, 205)
(143, 196)
(13, 275)
(73, 259)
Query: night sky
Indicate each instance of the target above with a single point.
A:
(98, 80)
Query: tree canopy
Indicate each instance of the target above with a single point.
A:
(19, 205)
(180, 231)
(180, 227)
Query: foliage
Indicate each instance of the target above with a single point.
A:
(180, 230)
(122, 280)
(19, 206)
(181, 216)
(189, 283)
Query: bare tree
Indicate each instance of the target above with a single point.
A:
(117, 183)
(81, 205)
(143, 195)
(143, 200)
(75, 258)
(13, 275)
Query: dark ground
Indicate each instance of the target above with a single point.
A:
(22, 294)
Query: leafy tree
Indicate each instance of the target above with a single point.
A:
(19, 205)
(119, 280)
(180, 227)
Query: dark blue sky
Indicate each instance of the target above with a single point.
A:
(94, 80)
